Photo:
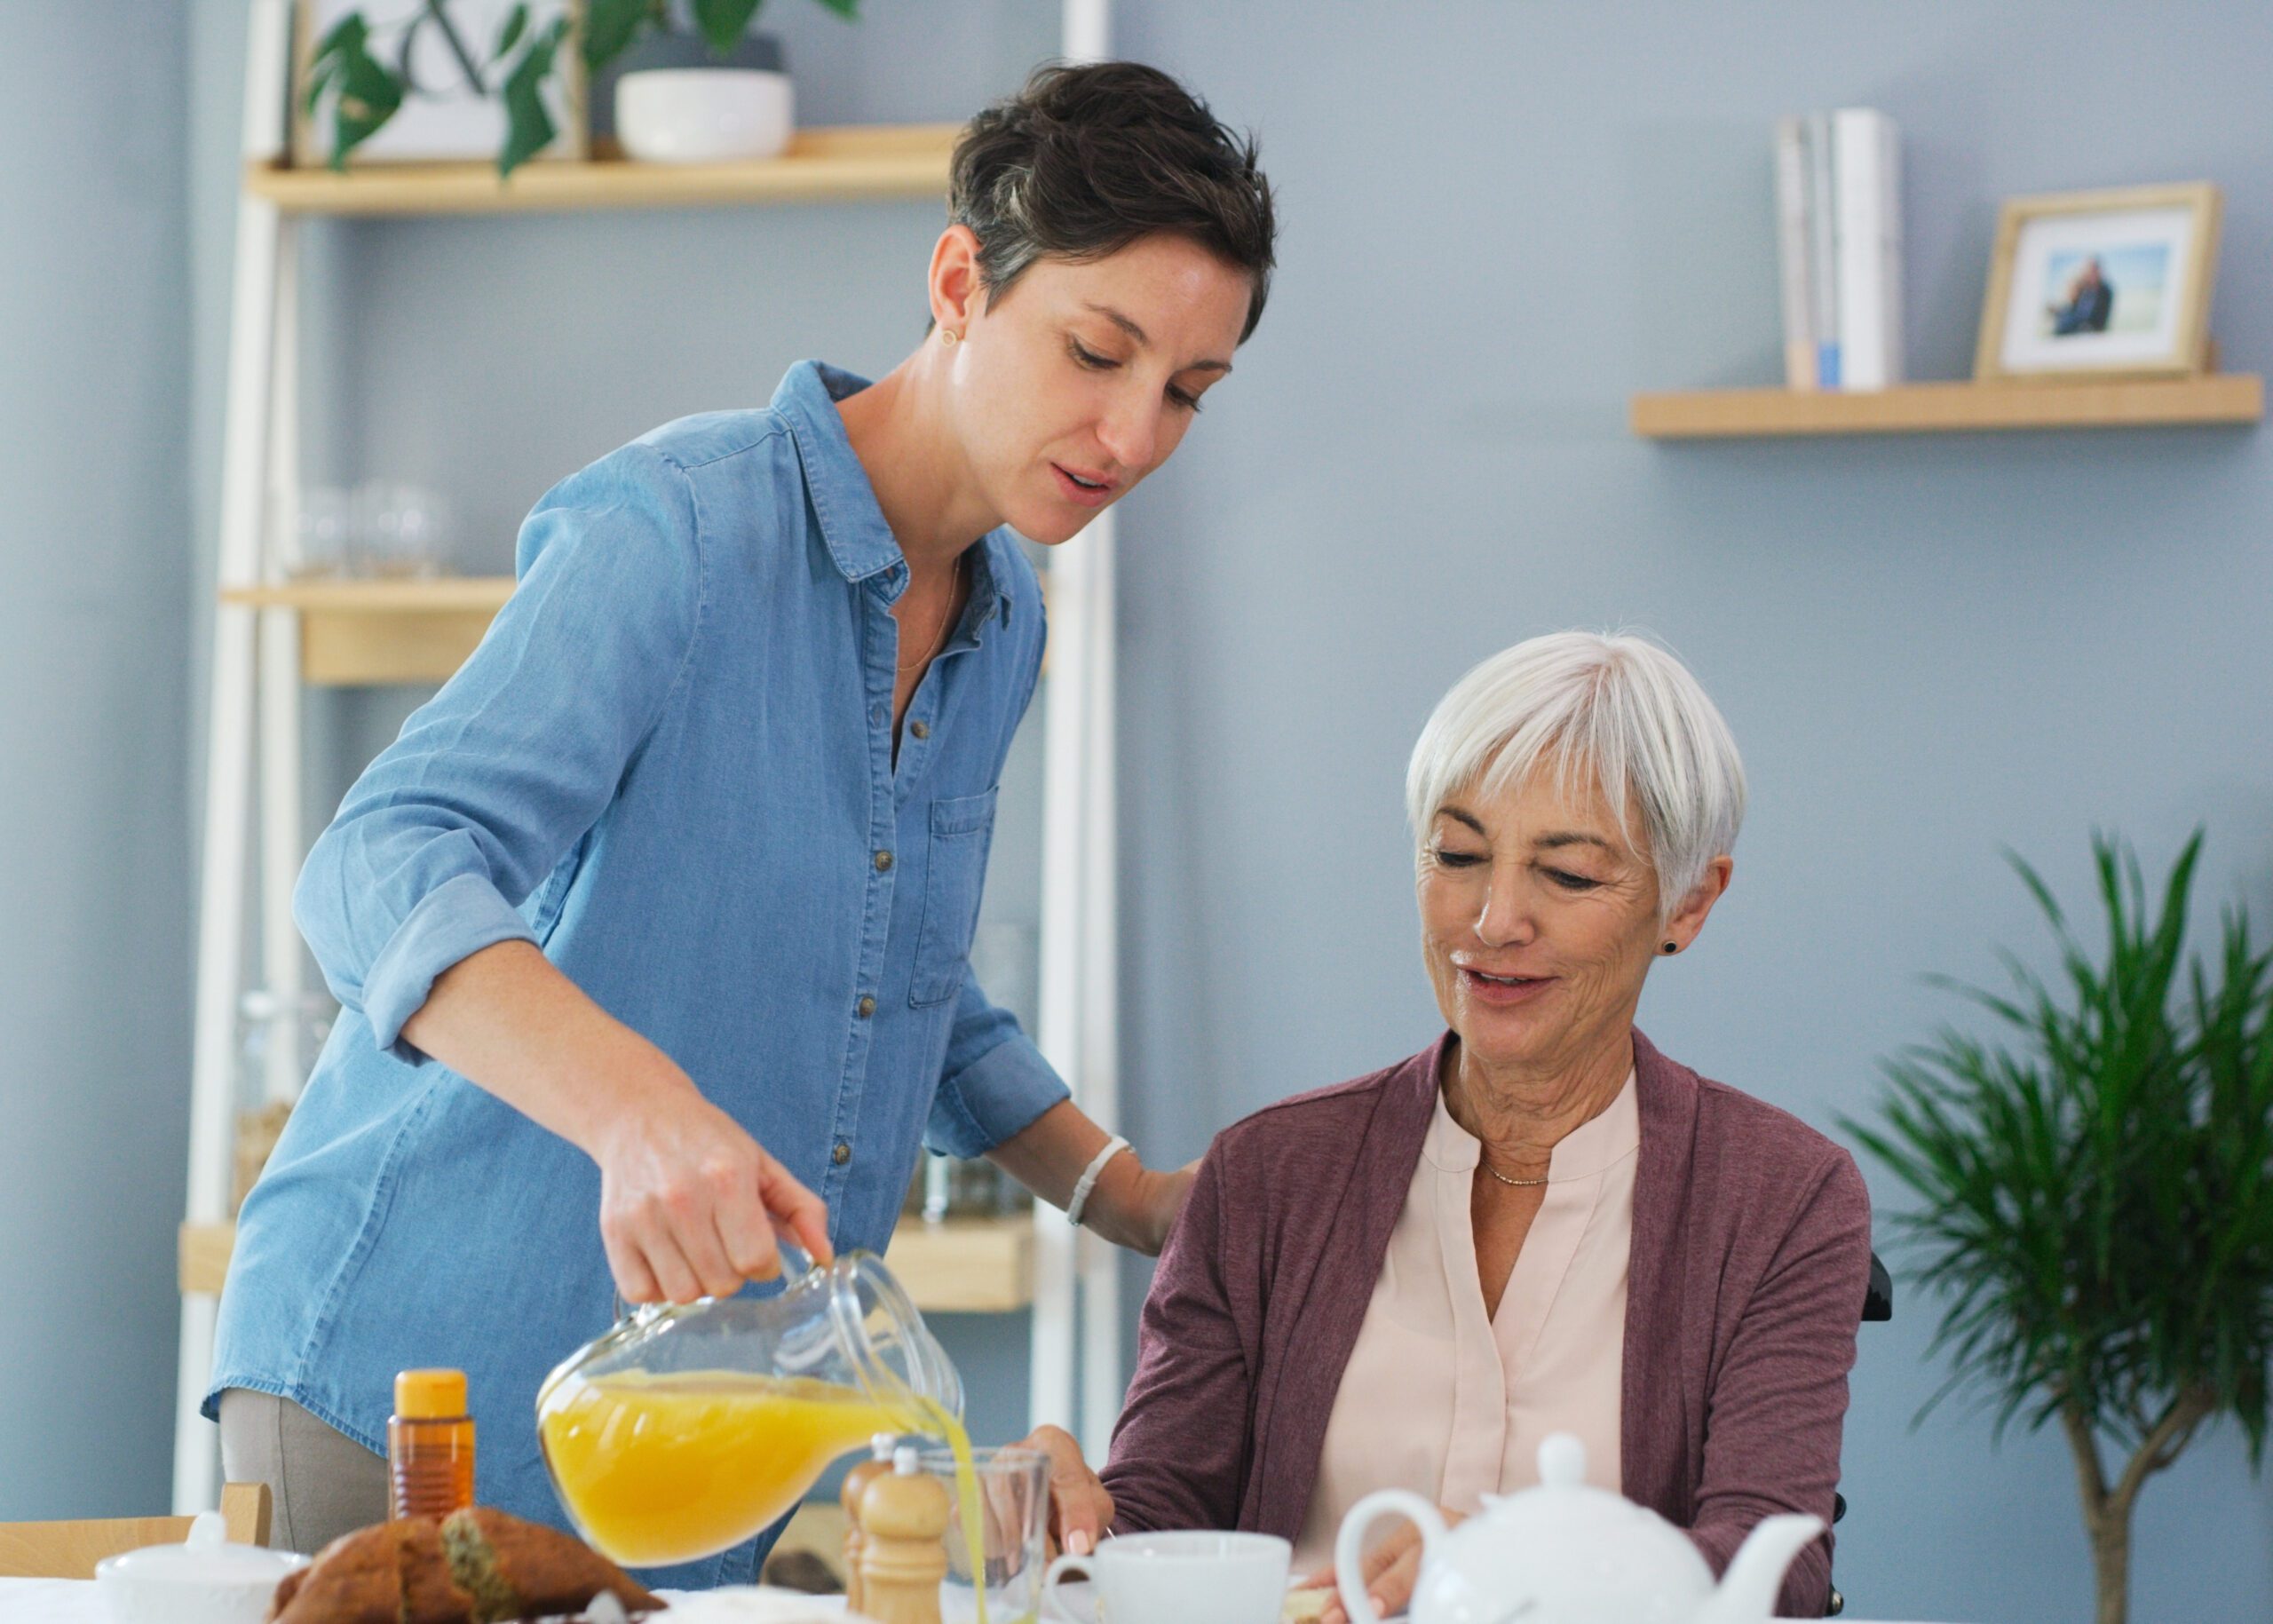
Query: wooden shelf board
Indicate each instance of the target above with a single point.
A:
(964, 1266)
(1716, 414)
(434, 594)
(360, 633)
(828, 164)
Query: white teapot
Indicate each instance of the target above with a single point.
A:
(1567, 1554)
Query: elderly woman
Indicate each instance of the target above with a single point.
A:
(1540, 1223)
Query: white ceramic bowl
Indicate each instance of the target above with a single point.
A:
(704, 114)
(203, 1581)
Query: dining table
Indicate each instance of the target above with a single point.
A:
(79, 1601)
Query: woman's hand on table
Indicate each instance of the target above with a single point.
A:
(1080, 1509)
(1392, 1567)
(690, 1203)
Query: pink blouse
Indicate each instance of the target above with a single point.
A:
(1444, 1401)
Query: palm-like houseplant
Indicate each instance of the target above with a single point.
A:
(366, 91)
(2095, 1193)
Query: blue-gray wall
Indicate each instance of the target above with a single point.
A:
(1502, 219)
(94, 889)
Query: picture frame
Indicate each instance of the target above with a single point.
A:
(448, 122)
(2102, 284)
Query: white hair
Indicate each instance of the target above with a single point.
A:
(1617, 706)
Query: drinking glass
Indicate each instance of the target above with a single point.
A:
(1014, 1506)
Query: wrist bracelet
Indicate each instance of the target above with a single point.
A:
(1089, 1179)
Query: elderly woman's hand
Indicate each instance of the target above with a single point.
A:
(1391, 1568)
(1080, 1509)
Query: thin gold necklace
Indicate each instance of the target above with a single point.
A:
(1519, 1184)
(946, 614)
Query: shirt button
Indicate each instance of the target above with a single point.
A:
(841, 1154)
(879, 714)
(883, 862)
(867, 1006)
(918, 730)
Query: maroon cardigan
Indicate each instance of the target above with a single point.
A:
(1751, 1255)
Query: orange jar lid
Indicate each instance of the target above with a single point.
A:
(429, 1394)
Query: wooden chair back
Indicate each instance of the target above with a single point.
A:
(70, 1550)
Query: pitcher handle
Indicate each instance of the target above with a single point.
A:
(796, 1262)
(1051, 1603)
(1349, 1545)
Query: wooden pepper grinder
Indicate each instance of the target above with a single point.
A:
(903, 1543)
(856, 1484)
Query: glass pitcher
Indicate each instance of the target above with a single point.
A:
(684, 1430)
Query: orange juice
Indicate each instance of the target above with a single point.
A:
(663, 1469)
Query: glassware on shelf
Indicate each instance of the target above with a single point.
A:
(381, 529)
(686, 1430)
(404, 530)
(276, 1050)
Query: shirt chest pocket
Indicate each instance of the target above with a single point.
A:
(962, 826)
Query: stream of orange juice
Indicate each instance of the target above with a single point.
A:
(665, 1469)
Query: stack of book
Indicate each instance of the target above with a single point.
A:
(1839, 226)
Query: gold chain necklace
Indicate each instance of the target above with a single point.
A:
(1518, 1183)
(946, 614)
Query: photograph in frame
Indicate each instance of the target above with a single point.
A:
(2101, 284)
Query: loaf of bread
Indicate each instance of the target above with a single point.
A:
(474, 1567)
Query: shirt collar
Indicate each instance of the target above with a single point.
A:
(853, 525)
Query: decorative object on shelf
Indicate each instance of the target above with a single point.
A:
(2092, 1202)
(2102, 284)
(411, 81)
(531, 79)
(1839, 247)
(383, 529)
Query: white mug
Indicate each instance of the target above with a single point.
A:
(1178, 1579)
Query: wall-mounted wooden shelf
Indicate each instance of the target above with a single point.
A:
(822, 165)
(1963, 407)
(963, 1266)
(383, 631)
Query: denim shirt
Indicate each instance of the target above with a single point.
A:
(669, 765)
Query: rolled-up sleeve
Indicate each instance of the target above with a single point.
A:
(448, 833)
(995, 1081)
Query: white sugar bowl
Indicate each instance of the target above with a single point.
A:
(205, 1579)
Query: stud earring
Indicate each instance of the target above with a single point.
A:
(948, 337)
(1670, 947)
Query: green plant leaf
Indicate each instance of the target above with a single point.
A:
(723, 22)
(529, 128)
(516, 23)
(610, 26)
(364, 93)
(849, 10)
(2093, 1172)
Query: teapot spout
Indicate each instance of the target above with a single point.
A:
(1748, 1591)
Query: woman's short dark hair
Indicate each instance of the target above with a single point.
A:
(1086, 159)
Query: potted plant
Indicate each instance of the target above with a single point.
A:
(2095, 1193)
(716, 92)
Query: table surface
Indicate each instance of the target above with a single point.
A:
(77, 1601)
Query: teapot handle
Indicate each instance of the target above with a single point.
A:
(1349, 1545)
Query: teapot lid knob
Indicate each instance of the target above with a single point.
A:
(1562, 1461)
